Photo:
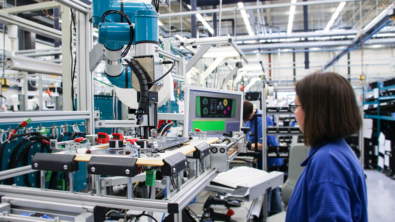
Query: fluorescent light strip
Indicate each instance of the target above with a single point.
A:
(204, 22)
(291, 17)
(334, 16)
(246, 19)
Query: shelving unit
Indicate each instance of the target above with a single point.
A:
(379, 117)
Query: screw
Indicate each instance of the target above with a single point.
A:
(65, 167)
(100, 124)
(52, 144)
(127, 171)
(174, 170)
(36, 165)
(93, 169)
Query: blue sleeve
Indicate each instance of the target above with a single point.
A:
(328, 202)
(271, 140)
(259, 130)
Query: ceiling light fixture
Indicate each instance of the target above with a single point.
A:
(334, 16)
(246, 19)
(203, 21)
(291, 17)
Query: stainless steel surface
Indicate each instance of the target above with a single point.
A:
(146, 49)
(264, 149)
(171, 116)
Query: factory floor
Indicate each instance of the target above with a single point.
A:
(381, 197)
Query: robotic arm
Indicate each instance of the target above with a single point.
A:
(129, 23)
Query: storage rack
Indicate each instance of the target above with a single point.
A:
(381, 97)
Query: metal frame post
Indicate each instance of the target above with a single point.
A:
(66, 59)
(264, 145)
(42, 179)
(71, 180)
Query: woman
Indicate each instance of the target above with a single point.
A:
(332, 186)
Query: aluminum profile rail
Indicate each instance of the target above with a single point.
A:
(292, 45)
(30, 26)
(43, 116)
(83, 200)
(77, 5)
(377, 24)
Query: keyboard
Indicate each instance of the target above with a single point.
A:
(239, 176)
(240, 191)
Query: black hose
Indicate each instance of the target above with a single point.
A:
(171, 68)
(144, 93)
(2, 147)
(22, 154)
(60, 138)
(13, 158)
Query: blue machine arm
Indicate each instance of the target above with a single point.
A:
(114, 34)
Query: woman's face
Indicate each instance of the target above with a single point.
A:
(299, 113)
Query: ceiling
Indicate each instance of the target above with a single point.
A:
(274, 19)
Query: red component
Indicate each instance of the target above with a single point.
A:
(88, 151)
(197, 130)
(45, 142)
(140, 168)
(230, 213)
(117, 136)
(12, 133)
(242, 88)
(102, 138)
(79, 140)
(132, 140)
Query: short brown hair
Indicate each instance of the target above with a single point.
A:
(330, 106)
(248, 108)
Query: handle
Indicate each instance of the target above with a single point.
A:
(132, 141)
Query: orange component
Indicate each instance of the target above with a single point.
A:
(79, 140)
(49, 92)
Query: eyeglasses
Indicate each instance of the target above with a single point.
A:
(293, 107)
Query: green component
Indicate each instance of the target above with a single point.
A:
(44, 131)
(28, 120)
(48, 177)
(198, 106)
(150, 177)
(60, 184)
(233, 107)
(209, 125)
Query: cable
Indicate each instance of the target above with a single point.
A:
(171, 68)
(73, 64)
(113, 11)
(147, 215)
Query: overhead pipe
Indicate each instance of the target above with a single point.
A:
(306, 29)
(291, 45)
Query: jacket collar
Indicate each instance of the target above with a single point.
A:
(313, 150)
